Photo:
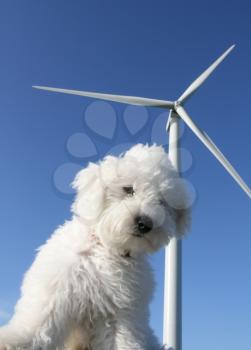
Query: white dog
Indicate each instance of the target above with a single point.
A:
(90, 284)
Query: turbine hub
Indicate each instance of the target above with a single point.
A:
(177, 104)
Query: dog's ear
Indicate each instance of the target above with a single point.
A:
(90, 193)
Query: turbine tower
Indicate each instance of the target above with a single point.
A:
(172, 331)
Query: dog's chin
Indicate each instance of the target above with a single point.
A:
(146, 243)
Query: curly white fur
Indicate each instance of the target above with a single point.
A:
(90, 284)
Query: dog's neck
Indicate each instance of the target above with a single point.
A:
(126, 254)
(95, 239)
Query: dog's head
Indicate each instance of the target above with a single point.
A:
(134, 202)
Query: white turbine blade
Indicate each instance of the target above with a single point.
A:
(213, 148)
(200, 80)
(141, 101)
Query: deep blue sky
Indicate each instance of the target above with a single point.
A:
(144, 48)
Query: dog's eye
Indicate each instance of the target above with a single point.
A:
(162, 202)
(128, 190)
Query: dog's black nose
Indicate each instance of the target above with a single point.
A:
(144, 224)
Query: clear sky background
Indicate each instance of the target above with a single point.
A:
(144, 48)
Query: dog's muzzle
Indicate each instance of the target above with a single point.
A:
(143, 225)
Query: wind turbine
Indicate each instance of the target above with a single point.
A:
(172, 332)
